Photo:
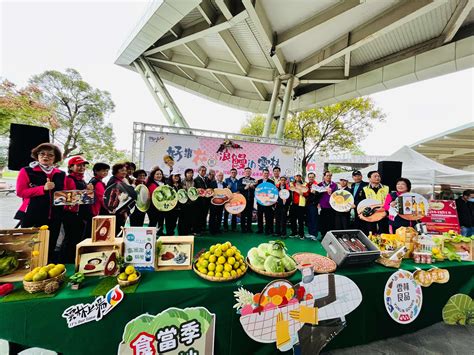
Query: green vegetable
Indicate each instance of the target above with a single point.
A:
(159, 196)
(277, 249)
(77, 278)
(8, 262)
(255, 259)
(288, 263)
(264, 250)
(273, 264)
(459, 310)
(166, 192)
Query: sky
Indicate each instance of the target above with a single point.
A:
(86, 35)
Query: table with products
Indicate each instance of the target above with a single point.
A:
(38, 321)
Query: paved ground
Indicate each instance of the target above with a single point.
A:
(8, 207)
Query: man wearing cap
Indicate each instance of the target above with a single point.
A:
(75, 217)
(358, 193)
(343, 218)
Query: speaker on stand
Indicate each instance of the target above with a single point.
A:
(23, 138)
(390, 171)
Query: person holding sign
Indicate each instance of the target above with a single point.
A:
(327, 214)
(246, 187)
(36, 185)
(137, 218)
(394, 220)
(262, 210)
(282, 206)
(216, 211)
(202, 204)
(232, 183)
(155, 179)
(297, 209)
(375, 191)
(342, 219)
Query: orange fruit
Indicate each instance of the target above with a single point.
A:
(273, 291)
(277, 300)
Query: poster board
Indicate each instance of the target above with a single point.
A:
(442, 217)
(139, 246)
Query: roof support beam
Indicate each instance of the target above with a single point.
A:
(260, 89)
(207, 11)
(455, 153)
(460, 13)
(220, 67)
(262, 24)
(324, 76)
(371, 30)
(235, 51)
(347, 64)
(199, 31)
(223, 6)
(197, 53)
(292, 34)
(224, 82)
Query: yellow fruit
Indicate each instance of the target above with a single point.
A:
(233, 273)
(218, 252)
(435, 251)
(236, 265)
(53, 272)
(40, 276)
(44, 227)
(219, 268)
(221, 260)
(123, 276)
(35, 253)
(264, 301)
(204, 263)
(210, 273)
(290, 293)
(50, 266)
(212, 249)
(132, 277)
(60, 267)
(36, 269)
(44, 269)
(224, 247)
(242, 267)
(239, 272)
(226, 274)
(231, 260)
(129, 270)
(218, 274)
(203, 270)
(207, 255)
(230, 252)
(29, 276)
(212, 259)
(227, 267)
(211, 266)
(277, 300)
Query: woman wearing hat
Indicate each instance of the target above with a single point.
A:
(36, 185)
(75, 217)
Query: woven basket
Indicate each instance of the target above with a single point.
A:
(389, 263)
(278, 275)
(217, 279)
(38, 286)
(125, 283)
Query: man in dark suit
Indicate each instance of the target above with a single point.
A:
(215, 211)
(246, 187)
(357, 190)
(202, 205)
(266, 211)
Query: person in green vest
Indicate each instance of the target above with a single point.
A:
(375, 191)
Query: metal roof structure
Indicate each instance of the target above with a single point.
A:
(275, 56)
(454, 148)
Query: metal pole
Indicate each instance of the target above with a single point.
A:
(271, 109)
(284, 108)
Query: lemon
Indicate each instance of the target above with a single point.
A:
(231, 260)
(239, 272)
(60, 267)
(242, 267)
(132, 277)
(218, 252)
(234, 248)
(204, 263)
(36, 269)
(435, 251)
(40, 275)
(212, 249)
(207, 255)
(44, 227)
(210, 273)
(224, 247)
(225, 275)
(203, 270)
(219, 268)
(212, 259)
(35, 253)
(233, 273)
(218, 274)
(221, 260)
(29, 276)
(230, 252)
(227, 267)
(211, 266)
(129, 270)
(53, 272)
(123, 276)
(229, 245)
(236, 265)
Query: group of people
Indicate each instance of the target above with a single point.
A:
(303, 206)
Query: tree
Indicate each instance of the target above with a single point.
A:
(334, 128)
(23, 106)
(81, 111)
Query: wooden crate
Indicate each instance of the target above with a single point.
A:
(18, 240)
(96, 223)
(186, 240)
(88, 246)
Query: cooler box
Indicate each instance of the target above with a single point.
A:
(341, 256)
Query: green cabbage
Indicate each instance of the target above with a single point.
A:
(277, 249)
(273, 264)
(288, 263)
(257, 262)
(264, 250)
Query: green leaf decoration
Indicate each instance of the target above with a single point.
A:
(459, 310)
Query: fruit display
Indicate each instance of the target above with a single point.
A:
(8, 262)
(270, 259)
(49, 271)
(129, 277)
(276, 296)
(222, 262)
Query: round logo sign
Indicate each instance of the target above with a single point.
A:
(403, 297)
(266, 194)
(370, 210)
(341, 200)
(182, 196)
(164, 198)
(284, 194)
(236, 204)
(143, 198)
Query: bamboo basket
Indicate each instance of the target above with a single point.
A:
(218, 279)
(278, 275)
(125, 283)
(38, 286)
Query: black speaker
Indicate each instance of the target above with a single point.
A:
(390, 171)
(23, 139)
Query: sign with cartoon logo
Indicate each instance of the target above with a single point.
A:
(173, 331)
(139, 247)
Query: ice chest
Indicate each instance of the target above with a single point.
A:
(341, 256)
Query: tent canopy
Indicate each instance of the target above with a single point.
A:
(420, 170)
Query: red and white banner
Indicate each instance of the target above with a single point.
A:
(442, 217)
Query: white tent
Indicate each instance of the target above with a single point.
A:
(420, 170)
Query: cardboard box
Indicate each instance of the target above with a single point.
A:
(175, 246)
(88, 246)
(25, 241)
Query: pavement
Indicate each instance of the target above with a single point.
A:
(9, 204)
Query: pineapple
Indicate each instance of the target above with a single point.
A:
(243, 297)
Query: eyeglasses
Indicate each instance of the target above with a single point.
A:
(44, 154)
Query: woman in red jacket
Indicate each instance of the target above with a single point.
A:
(155, 179)
(37, 184)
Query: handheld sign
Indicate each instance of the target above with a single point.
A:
(143, 198)
(341, 200)
(266, 194)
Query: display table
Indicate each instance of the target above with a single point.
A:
(38, 322)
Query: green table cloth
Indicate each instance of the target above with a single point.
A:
(38, 322)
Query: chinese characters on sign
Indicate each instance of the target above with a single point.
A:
(83, 313)
(188, 331)
(442, 217)
(139, 244)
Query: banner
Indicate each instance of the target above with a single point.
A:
(189, 151)
(441, 217)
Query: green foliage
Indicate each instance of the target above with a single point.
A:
(329, 129)
(81, 111)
